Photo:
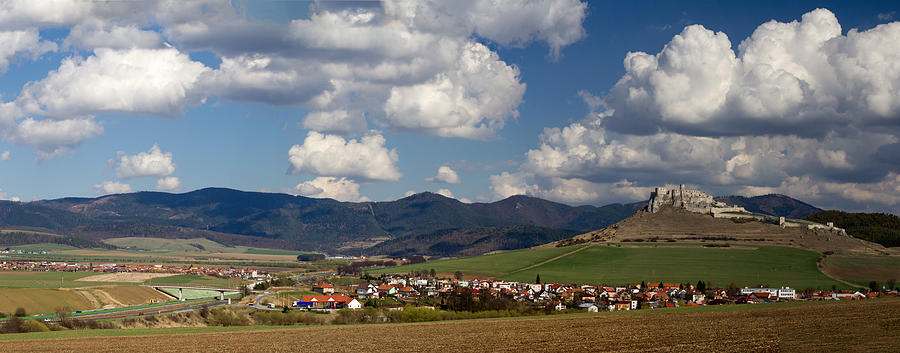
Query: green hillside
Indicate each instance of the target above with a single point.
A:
(765, 265)
(881, 228)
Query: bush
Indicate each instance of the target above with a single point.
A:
(33, 326)
(225, 317)
(20, 312)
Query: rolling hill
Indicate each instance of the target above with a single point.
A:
(772, 205)
(235, 217)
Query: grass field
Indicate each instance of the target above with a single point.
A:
(868, 325)
(767, 265)
(493, 265)
(172, 245)
(28, 279)
(44, 247)
(41, 300)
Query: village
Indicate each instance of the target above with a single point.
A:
(38, 266)
(425, 291)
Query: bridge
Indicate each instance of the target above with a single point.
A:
(170, 291)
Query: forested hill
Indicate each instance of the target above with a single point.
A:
(878, 228)
(283, 220)
(772, 204)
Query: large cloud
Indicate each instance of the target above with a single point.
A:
(151, 163)
(787, 114)
(797, 78)
(409, 66)
(331, 155)
(141, 81)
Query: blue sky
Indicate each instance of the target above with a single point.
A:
(372, 100)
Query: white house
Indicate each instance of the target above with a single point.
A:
(354, 305)
(781, 293)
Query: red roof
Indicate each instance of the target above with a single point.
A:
(338, 298)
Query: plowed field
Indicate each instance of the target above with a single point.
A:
(870, 325)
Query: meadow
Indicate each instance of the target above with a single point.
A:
(613, 265)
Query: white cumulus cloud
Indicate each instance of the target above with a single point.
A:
(142, 81)
(168, 184)
(112, 187)
(154, 162)
(341, 189)
(331, 155)
(445, 174)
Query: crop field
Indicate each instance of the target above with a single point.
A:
(28, 279)
(44, 247)
(492, 265)
(192, 293)
(119, 296)
(746, 265)
(41, 300)
(863, 268)
(869, 325)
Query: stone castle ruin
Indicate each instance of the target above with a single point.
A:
(700, 202)
(691, 200)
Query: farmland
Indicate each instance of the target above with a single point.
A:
(41, 300)
(868, 325)
(749, 265)
(43, 292)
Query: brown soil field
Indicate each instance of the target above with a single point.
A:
(863, 268)
(41, 300)
(120, 277)
(258, 257)
(118, 296)
(868, 325)
(682, 225)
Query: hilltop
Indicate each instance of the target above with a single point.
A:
(691, 215)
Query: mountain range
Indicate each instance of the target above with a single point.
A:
(440, 225)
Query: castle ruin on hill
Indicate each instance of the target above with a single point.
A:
(691, 200)
(700, 202)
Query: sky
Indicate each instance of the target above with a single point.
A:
(584, 103)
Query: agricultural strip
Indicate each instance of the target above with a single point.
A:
(868, 325)
(744, 266)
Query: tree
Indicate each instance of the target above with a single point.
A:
(643, 285)
(20, 312)
(701, 287)
(432, 273)
(873, 286)
(458, 274)
(891, 283)
(537, 279)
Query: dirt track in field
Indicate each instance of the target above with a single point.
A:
(869, 325)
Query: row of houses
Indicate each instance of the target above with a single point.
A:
(556, 296)
(245, 273)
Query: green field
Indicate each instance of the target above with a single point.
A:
(28, 279)
(44, 247)
(762, 265)
(40, 300)
(493, 265)
(172, 245)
